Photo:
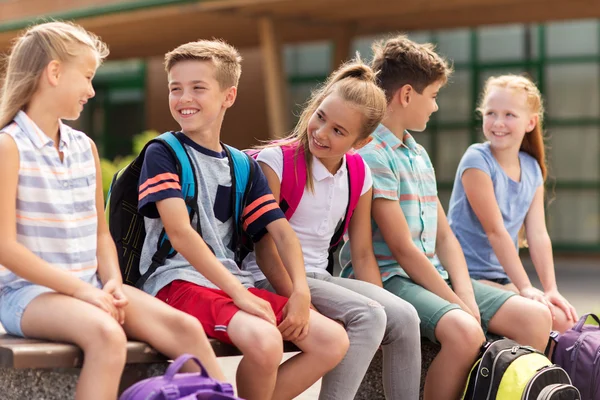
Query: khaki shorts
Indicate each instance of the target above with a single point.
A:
(431, 307)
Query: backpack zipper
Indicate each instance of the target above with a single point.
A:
(575, 352)
(539, 372)
(494, 367)
(554, 390)
(594, 389)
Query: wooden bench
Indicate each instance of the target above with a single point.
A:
(35, 369)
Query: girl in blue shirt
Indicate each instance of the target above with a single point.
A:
(499, 189)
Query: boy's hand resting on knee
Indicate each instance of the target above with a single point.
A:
(98, 298)
(254, 305)
(296, 314)
(115, 288)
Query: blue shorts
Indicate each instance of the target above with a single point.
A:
(13, 303)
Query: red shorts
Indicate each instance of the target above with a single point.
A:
(213, 307)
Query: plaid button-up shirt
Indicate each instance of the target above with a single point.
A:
(402, 171)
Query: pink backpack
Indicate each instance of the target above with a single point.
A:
(293, 182)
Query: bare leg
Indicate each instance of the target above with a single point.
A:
(323, 348)
(262, 346)
(57, 317)
(561, 323)
(168, 330)
(461, 338)
(524, 321)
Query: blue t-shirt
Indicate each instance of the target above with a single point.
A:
(514, 200)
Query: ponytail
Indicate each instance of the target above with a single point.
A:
(353, 81)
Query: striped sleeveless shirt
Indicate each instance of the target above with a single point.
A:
(56, 200)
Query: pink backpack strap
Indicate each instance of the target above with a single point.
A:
(356, 178)
(293, 178)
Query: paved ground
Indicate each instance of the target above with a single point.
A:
(578, 280)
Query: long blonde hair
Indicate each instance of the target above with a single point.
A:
(32, 52)
(533, 142)
(355, 83)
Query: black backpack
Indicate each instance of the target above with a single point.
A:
(509, 371)
(126, 224)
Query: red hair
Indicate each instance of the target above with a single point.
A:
(533, 142)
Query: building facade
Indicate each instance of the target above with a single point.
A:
(557, 47)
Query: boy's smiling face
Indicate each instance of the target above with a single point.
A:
(196, 99)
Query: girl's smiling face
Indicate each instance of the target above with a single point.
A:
(75, 83)
(507, 118)
(335, 128)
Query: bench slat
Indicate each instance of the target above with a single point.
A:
(19, 353)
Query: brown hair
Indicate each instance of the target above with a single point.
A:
(533, 142)
(32, 52)
(225, 58)
(355, 83)
(399, 61)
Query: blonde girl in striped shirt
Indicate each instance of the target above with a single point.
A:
(59, 273)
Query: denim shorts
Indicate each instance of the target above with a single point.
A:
(13, 303)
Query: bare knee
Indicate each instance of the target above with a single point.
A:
(336, 342)
(187, 328)
(561, 323)
(263, 346)
(536, 325)
(106, 340)
(461, 335)
(328, 339)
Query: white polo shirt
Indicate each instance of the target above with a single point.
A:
(318, 214)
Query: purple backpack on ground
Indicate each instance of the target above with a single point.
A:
(577, 351)
(174, 386)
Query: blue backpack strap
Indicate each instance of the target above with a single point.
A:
(188, 180)
(190, 193)
(241, 174)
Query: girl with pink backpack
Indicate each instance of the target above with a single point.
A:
(324, 189)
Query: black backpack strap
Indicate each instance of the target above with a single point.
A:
(158, 259)
(553, 338)
(337, 235)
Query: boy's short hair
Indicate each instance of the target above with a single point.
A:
(225, 57)
(399, 61)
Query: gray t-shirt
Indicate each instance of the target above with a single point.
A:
(513, 198)
(159, 180)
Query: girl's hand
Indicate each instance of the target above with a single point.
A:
(537, 295)
(120, 301)
(254, 305)
(556, 299)
(296, 313)
(98, 298)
